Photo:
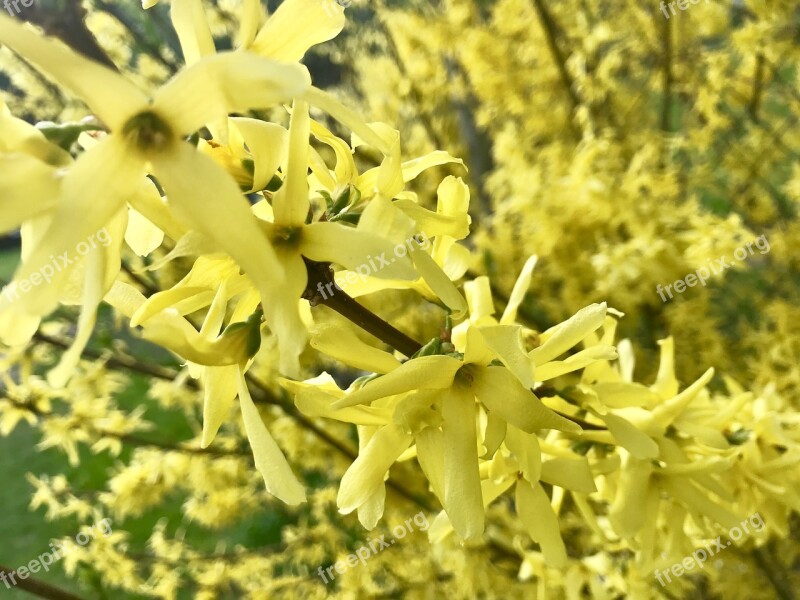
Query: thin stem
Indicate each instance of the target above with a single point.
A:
(35, 586)
(320, 276)
(550, 34)
(666, 35)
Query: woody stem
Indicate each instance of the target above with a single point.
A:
(320, 278)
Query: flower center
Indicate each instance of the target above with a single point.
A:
(148, 131)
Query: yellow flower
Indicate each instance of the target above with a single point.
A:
(146, 137)
(230, 352)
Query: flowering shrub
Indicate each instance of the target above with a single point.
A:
(315, 293)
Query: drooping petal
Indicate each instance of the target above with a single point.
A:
(28, 188)
(206, 198)
(506, 343)
(225, 83)
(541, 522)
(219, 391)
(92, 192)
(191, 25)
(347, 117)
(638, 443)
(569, 473)
(343, 344)
(438, 281)
(425, 373)
(366, 473)
(110, 96)
(281, 482)
(345, 165)
(93, 293)
(525, 448)
(267, 143)
(430, 455)
(499, 390)
(355, 250)
(463, 500)
(21, 136)
(250, 16)
(296, 26)
(141, 235)
(371, 511)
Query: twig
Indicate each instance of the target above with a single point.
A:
(549, 27)
(36, 586)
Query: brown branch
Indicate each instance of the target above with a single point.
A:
(666, 35)
(36, 586)
(320, 276)
(550, 33)
(66, 21)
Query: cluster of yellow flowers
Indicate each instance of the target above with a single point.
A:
(236, 211)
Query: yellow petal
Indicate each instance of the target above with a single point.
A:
(572, 474)
(434, 223)
(499, 390)
(579, 360)
(505, 341)
(290, 203)
(438, 281)
(110, 96)
(423, 373)
(541, 522)
(225, 83)
(347, 117)
(141, 235)
(91, 194)
(493, 435)
(206, 198)
(250, 16)
(355, 250)
(94, 290)
(281, 482)
(463, 500)
(267, 143)
(518, 293)
(430, 455)
(625, 513)
(367, 472)
(191, 25)
(296, 26)
(666, 384)
(370, 513)
(219, 391)
(525, 448)
(148, 202)
(343, 344)
(638, 443)
(28, 188)
(568, 334)
(479, 298)
(345, 165)
(21, 136)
